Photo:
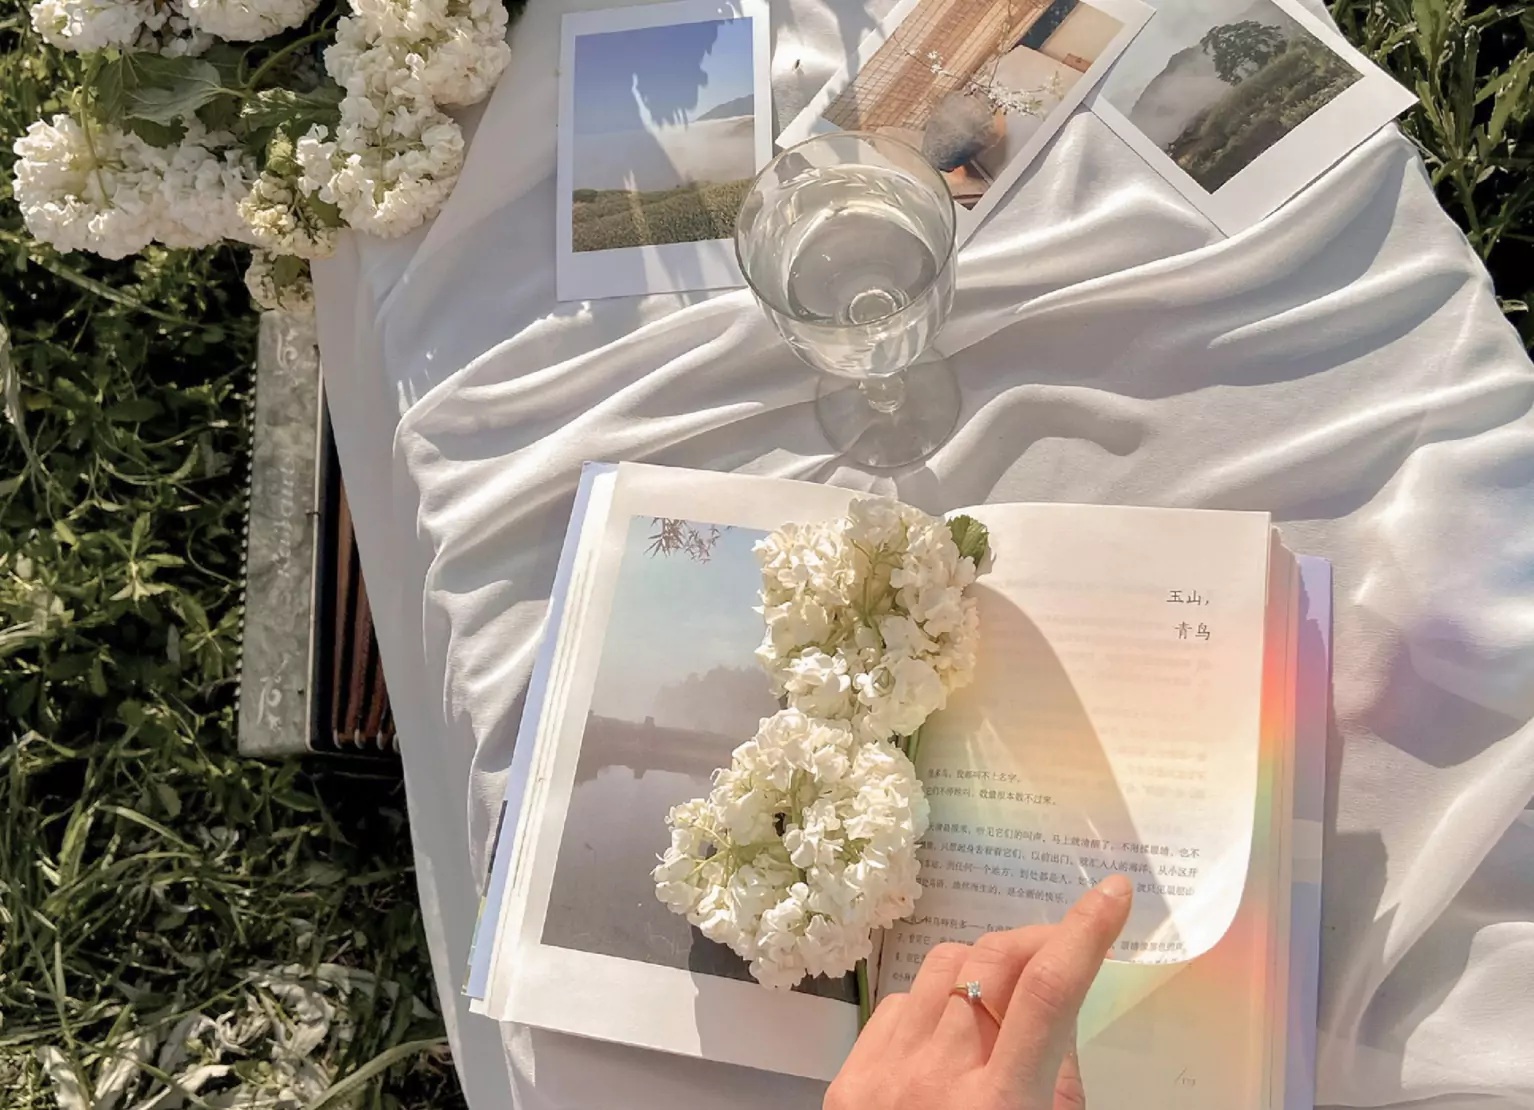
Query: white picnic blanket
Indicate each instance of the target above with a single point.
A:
(1343, 365)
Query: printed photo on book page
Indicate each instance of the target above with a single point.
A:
(1240, 104)
(654, 683)
(978, 86)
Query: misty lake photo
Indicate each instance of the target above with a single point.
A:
(677, 690)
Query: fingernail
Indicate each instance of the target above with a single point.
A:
(1115, 886)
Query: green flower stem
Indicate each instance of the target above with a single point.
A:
(865, 996)
(277, 55)
(913, 746)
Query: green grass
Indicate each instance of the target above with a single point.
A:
(604, 219)
(146, 870)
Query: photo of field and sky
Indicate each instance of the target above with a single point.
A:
(664, 134)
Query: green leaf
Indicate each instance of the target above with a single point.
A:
(971, 537)
(322, 874)
(153, 90)
(73, 665)
(75, 835)
(109, 92)
(175, 93)
(293, 112)
(297, 802)
(226, 57)
(330, 214)
(135, 410)
(376, 1066)
(154, 826)
(65, 533)
(192, 612)
(170, 801)
(286, 270)
(1511, 97)
(1429, 17)
(156, 134)
(222, 113)
(184, 471)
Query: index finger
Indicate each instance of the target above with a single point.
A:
(1041, 1017)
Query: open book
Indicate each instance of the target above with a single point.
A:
(1150, 699)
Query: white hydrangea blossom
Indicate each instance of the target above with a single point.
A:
(85, 25)
(457, 48)
(866, 616)
(395, 156)
(170, 31)
(112, 193)
(387, 167)
(247, 20)
(805, 845)
(206, 179)
(280, 216)
(296, 297)
(100, 192)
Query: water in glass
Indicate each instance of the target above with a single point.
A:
(856, 266)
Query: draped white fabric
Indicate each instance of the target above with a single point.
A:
(1343, 365)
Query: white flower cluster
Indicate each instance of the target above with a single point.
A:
(109, 191)
(805, 845)
(247, 20)
(206, 180)
(395, 156)
(386, 167)
(281, 217)
(456, 48)
(867, 621)
(163, 26)
(82, 25)
(269, 291)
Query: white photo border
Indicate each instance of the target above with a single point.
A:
(1132, 14)
(1276, 175)
(669, 267)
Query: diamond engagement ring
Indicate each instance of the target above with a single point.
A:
(972, 993)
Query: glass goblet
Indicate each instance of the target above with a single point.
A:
(847, 240)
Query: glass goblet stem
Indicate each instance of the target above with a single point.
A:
(885, 392)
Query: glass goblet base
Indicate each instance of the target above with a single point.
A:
(894, 422)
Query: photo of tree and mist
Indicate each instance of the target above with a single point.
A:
(1216, 84)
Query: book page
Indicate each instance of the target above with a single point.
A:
(1113, 726)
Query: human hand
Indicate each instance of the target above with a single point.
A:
(932, 1049)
